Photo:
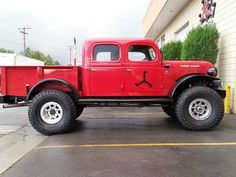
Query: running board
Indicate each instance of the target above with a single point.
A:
(123, 102)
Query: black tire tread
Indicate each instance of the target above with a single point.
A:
(79, 111)
(44, 95)
(181, 99)
(169, 110)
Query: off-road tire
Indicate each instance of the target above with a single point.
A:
(169, 110)
(68, 107)
(79, 111)
(184, 101)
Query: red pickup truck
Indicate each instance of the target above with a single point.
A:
(116, 72)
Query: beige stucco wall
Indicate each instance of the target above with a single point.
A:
(154, 8)
(188, 14)
(225, 19)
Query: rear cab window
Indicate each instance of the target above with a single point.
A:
(106, 53)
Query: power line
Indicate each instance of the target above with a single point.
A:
(23, 31)
(17, 43)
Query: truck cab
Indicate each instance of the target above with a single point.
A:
(121, 68)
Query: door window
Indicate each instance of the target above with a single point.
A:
(106, 53)
(141, 53)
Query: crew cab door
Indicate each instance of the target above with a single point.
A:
(142, 70)
(106, 70)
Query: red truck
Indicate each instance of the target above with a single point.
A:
(116, 72)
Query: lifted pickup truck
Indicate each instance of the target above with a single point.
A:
(116, 72)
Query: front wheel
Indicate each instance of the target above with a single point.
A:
(51, 112)
(199, 108)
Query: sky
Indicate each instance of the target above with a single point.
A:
(54, 23)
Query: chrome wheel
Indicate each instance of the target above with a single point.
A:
(200, 109)
(51, 112)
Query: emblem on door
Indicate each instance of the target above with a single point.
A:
(144, 81)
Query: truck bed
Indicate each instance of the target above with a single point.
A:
(18, 80)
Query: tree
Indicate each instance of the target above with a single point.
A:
(39, 56)
(172, 50)
(2, 50)
(201, 44)
(56, 63)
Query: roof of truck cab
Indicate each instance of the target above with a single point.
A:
(118, 40)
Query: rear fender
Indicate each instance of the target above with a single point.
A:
(36, 88)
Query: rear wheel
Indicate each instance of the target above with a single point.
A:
(79, 111)
(51, 112)
(199, 108)
(169, 110)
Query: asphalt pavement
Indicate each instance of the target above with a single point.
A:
(122, 142)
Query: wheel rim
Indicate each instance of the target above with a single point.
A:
(51, 112)
(200, 109)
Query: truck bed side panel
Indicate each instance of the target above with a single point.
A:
(15, 78)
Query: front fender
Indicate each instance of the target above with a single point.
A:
(180, 82)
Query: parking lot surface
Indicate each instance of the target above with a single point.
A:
(128, 142)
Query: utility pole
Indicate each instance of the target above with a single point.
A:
(70, 48)
(23, 31)
(74, 51)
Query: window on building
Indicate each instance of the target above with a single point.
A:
(158, 43)
(141, 53)
(163, 40)
(181, 33)
(106, 53)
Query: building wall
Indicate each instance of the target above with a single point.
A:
(225, 19)
(8, 59)
(154, 8)
(188, 14)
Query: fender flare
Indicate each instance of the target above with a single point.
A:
(42, 82)
(184, 79)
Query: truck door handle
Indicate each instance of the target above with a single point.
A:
(167, 65)
(129, 70)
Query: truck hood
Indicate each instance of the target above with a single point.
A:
(181, 68)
